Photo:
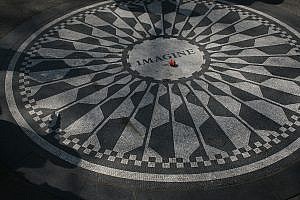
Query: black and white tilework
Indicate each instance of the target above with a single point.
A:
(231, 103)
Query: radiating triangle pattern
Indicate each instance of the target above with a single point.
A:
(78, 82)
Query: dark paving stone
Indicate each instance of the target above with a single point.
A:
(13, 149)
(246, 192)
(16, 187)
(287, 183)
(58, 179)
(295, 198)
(114, 193)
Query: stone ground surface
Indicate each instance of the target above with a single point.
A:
(29, 172)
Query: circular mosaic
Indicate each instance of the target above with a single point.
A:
(98, 81)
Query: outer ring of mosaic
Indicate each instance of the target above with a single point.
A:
(112, 156)
(294, 146)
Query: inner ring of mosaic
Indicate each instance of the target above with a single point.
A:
(151, 59)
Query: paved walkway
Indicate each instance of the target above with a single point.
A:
(92, 109)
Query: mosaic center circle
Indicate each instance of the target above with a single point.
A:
(151, 58)
(94, 88)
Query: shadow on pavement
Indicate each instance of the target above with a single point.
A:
(21, 160)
